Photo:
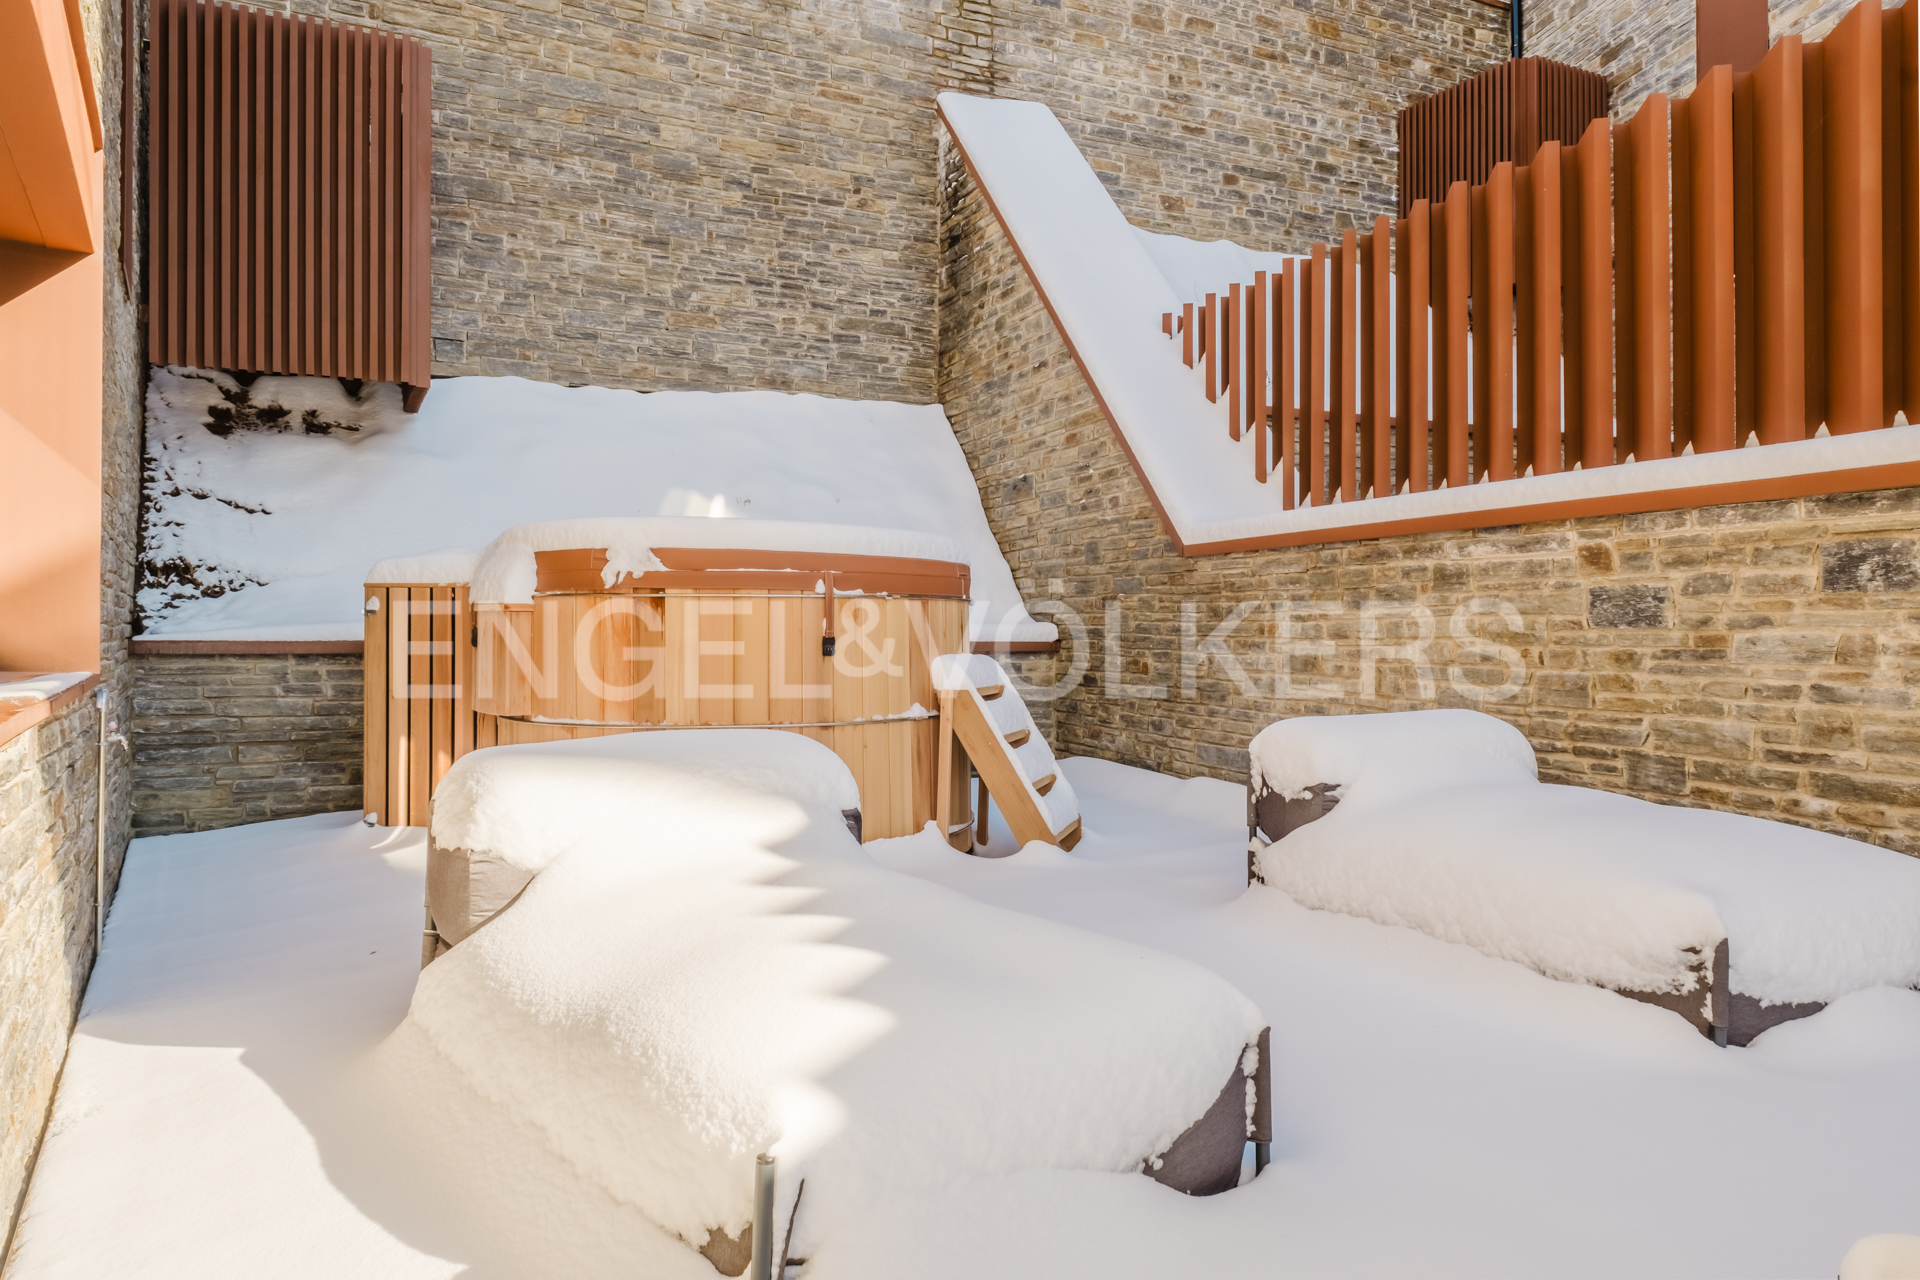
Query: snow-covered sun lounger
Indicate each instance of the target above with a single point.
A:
(1436, 820)
(702, 963)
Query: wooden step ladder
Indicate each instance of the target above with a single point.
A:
(983, 725)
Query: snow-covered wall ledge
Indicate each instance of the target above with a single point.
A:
(1105, 284)
(266, 503)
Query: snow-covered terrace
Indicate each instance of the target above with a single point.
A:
(1437, 1112)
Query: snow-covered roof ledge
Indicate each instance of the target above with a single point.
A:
(1106, 284)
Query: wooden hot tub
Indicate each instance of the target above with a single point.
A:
(716, 637)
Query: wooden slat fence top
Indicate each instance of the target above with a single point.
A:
(288, 180)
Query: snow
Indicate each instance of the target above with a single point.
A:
(1442, 827)
(504, 573)
(1383, 758)
(1196, 268)
(38, 688)
(651, 1005)
(1108, 284)
(1439, 1113)
(1887, 1256)
(438, 568)
(267, 531)
(529, 804)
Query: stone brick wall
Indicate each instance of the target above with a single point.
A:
(730, 195)
(1272, 125)
(232, 738)
(49, 776)
(47, 825)
(1761, 658)
(740, 194)
(1645, 48)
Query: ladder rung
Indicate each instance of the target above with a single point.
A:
(1045, 784)
(990, 691)
(1018, 738)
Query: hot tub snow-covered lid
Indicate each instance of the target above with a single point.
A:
(504, 572)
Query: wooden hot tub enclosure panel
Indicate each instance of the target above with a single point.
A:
(418, 683)
(729, 645)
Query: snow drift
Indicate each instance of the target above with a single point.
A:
(1442, 826)
(706, 965)
(266, 504)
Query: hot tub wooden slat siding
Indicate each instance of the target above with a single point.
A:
(718, 638)
(418, 687)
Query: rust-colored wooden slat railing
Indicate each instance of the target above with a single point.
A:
(1738, 265)
(1503, 114)
(288, 187)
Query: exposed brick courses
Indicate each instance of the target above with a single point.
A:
(238, 738)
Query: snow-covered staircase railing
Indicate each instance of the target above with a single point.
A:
(1737, 265)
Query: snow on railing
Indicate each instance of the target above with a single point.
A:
(1739, 266)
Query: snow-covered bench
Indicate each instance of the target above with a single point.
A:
(1436, 820)
(701, 963)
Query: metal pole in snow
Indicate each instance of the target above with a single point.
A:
(107, 736)
(763, 1217)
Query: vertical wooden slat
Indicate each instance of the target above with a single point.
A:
(1626, 307)
(399, 733)
(220, 179)
(1896, 249)
(377, 699)
(1525, 303)
(1377, 394)
(1186, 334)
(1459, 285)
(1287, 355)
(1653, 281)
(1416, 280)
(442, 658)
(1596, 302)
(1346, 301)
(1746, 262)
(1711, 209)
(1573, 306)
(192, 223)
(1402, 347)
(1257, 344)
(1207, 335)
(1780, 256)
(1855, 279)
(1313, 383)
(1549, 271)
(1497, 431)
(420, 619)
(1813, 71)
(465, 649)
(1233, 332)
(1908, 44)
(1685, 330)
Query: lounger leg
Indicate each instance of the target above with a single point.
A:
(1262, 1156)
